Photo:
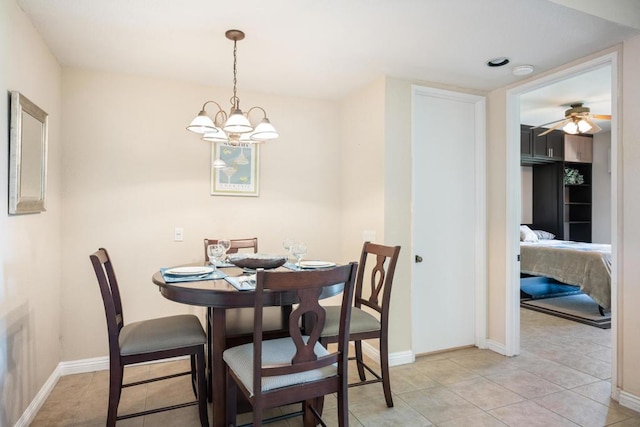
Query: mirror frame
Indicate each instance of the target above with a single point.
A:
(19, 204)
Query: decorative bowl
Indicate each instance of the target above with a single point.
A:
(254, 261)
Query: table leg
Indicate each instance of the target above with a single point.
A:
(219, 387)
(209, 356)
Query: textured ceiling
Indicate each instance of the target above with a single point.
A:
(321, 49)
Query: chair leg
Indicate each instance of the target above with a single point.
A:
(115, 388)
(343, 406)
(308, 419)
(202, 387)
(359, 360)
(232, 399)
(194, 380)
(257, 417)
(384, 366)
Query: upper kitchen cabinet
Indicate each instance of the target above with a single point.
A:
(548, 147)
(535, 149)
(578, 148)
(526, 148)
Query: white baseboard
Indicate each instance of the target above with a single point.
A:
(630, 401)
(85, 365)
(496, 346)
(32, 410)
(395, 359)
(82, 366)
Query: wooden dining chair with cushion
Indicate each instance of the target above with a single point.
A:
(236, 245)
(240, 320)
(364, 325)
(297, 368)
(146, 341)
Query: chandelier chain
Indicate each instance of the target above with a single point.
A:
(234, 99)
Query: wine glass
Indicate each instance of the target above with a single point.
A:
(226, 244)
(287, 244)
(299, 250)
(215, 252)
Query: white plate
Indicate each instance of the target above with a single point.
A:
(316, 264)
(188, 271)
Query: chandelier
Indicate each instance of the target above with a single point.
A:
(235, 128)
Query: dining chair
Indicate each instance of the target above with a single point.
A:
(364, 325)
(295, 369)
(236, 244)
(146, 341)
(240, 320)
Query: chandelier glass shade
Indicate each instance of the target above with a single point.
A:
(234, 128)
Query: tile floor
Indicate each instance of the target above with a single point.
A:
(560, 379)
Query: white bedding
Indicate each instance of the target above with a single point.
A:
(587, 265)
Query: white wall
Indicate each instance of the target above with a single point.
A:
(30, 247)
(601, 197)
(132, 173)
(362, 167)
(629, 210)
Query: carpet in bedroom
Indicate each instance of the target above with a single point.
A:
(580, 308)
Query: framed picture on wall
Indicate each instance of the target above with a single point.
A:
(240, 176)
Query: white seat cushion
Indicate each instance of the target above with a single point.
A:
(274, 352)
(361, 321)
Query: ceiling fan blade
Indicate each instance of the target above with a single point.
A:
(601, 116)
(552, 128)
(546, 124)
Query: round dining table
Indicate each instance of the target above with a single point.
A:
(218, 296)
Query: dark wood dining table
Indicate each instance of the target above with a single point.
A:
(218, 296)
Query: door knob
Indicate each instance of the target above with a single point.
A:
(418, 258)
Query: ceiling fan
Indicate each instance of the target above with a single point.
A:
(577, 119)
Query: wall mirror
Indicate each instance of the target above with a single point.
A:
(27, 156)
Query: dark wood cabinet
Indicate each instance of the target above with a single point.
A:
(549, 146)
(559, 208)
(548, 193)
(526, 148)
(536, 149)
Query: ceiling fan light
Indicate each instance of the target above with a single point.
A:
(202, 123)
(571, 128)
(264, 131)
(584, 126)
(237, 123)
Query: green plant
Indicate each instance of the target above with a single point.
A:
(573, 177)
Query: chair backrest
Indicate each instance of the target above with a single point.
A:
(380, 278)
(308, 287)
(251, 243)
(110, 297)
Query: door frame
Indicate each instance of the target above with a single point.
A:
(480, 204)
(512, 315)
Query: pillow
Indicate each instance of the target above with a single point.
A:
(544, 235)
(526, 235)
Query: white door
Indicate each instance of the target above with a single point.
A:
(448, 215)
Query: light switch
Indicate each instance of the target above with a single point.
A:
(178, 234)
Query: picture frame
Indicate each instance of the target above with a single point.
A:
(28, 136)
(241, 176)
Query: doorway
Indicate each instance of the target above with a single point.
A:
(514, 200)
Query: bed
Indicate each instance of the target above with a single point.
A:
(587, 265)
